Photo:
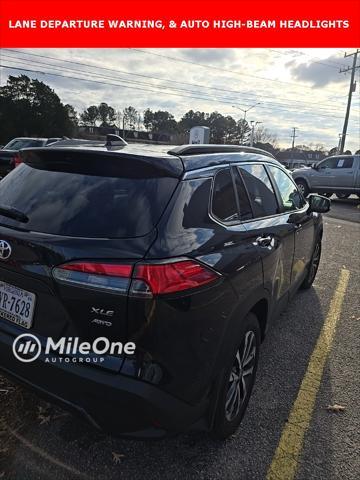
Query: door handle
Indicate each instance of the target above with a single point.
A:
(265, 241)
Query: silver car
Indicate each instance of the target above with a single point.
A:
(339, 174)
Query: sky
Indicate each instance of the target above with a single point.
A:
(281, 88)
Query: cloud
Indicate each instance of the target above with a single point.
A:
(319, 72)
(213, 56)
(293, 87)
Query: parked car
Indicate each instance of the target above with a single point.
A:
(8, 154)
(190, 254)
(339, 174)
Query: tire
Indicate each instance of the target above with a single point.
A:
(343, 195)
(235, 387)
(313, 267)
(302, 186)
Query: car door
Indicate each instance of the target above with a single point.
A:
(296, 214)
(344, 173)
(323, 175)
(268, 230)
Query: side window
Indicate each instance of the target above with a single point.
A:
(244, 202)
(328, 163)
(345, 162)
(224, 205)
(260, 190)
(290, 195)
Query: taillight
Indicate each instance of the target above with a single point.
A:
(147, 279)
(173, 277)
(17, 160)
(103, 276)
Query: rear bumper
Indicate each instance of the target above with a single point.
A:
(113, 402)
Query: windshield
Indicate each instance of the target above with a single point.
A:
(19, 143)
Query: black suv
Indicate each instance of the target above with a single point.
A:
(188, 253)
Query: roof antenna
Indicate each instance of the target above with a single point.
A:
(114, 141)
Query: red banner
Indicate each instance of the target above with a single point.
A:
(175, 23)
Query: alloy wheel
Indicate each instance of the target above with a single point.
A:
(301, 188)
(241, 376)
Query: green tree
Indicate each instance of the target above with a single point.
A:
(107, 114)
(193, 119)
(148, 119)
(31, 108)
(243, 132)
(160, 121)
(90, 116)
(221, 127)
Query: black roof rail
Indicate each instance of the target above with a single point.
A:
(114, 141)
(199, 149)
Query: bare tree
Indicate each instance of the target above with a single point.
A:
(263, 135)
(130, 116)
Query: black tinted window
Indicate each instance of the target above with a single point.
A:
(260, 190)
(244, 202)
(76, 204)
(290, 195)
(223, 203)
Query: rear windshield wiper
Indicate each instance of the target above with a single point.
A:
(13, 213)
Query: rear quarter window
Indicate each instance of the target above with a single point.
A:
(224, 206)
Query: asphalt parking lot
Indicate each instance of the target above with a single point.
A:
(38, 441)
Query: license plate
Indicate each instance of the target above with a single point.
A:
(16, 305)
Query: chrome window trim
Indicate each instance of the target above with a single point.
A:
(210, 172)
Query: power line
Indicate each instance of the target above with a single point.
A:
(160, 89)
(150, 77)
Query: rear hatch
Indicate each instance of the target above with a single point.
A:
(65, 207)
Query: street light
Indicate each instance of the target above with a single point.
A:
(245, 110)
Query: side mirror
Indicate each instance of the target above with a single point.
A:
(314, 166)
(318, 203)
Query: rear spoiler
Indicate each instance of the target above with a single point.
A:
(90, 160)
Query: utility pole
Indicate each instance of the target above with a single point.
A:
(351, 90)
(339, 145)
(293, 136)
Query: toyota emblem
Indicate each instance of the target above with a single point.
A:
(5, 250)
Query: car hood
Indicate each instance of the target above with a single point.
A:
(301, 170)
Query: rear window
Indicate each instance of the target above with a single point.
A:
(19, 143)
(80, 205)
